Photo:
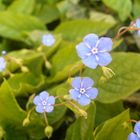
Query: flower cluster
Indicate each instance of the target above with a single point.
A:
(136, 134)
(94, 50)
(44, 102)
(83, 91)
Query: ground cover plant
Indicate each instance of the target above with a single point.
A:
(69, 69)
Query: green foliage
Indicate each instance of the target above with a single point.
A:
(32, 68)
(122, 7)
(124, 83)
(115, 125)
(82, 128)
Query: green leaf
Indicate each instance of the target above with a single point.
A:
(107, 111)
(117, 126)
(11, 112)
(22, 6)
(75, 29)
(16, 24)
(125, 82)
(82, 129)
(122, 7)
(136, 8)
(48, 13)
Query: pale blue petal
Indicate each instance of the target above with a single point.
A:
(138, 32)
(76, 82)
(86, 82)
(2, 63)
(51, 100)
(74, 94)
(82, 50)
(138, 23)
(48, 40)
(39, 109)
(92, 93)
(43, 95)
(49, 109)
(133, 136)
(137, 128)
(83, 100)
(90, 62)
(105, 44)
(104, 59)
(91, 40)
(37, 100)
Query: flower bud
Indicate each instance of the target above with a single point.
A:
(24, 69)
(2, 132)
(108, 73)
(48, 131)
(48, 65)
(26, 122)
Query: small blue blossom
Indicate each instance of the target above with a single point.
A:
(136, 134)
(94, 51)
(48, 40)
(44, 102)
(83, 91)
(3, 52)
(2, 64)
(137, 25)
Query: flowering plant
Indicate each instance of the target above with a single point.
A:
(69, 70)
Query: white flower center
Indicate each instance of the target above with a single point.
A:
(94, 50)
(44, 103)
(82, 90)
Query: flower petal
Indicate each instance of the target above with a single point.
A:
(138, 23)
(137, 128)
(39, 109)
(49, 109)
(74, 94)
(133, 136)
(43, 95)
(105, 44)
(91, 40)
(92, 93)
(86, 82)
(76, 82)
(48, 40)
(82, 50)
(37, 100)
(104, 59)
(90, 62)
(51, 100)
(83, 100)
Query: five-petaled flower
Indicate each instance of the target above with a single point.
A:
(137, 25)
(44, 102)
(136, 134)
(48, 40)
(83, 91)
(94, 50)
(2, 64)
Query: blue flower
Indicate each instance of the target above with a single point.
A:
(44, 102)
(3, 52)
(94, 51)
(136, 134)
(2, 64)
(137, 25)
(48, 40)
(83, 91)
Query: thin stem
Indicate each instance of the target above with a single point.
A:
(46, 119)
(134, 121)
